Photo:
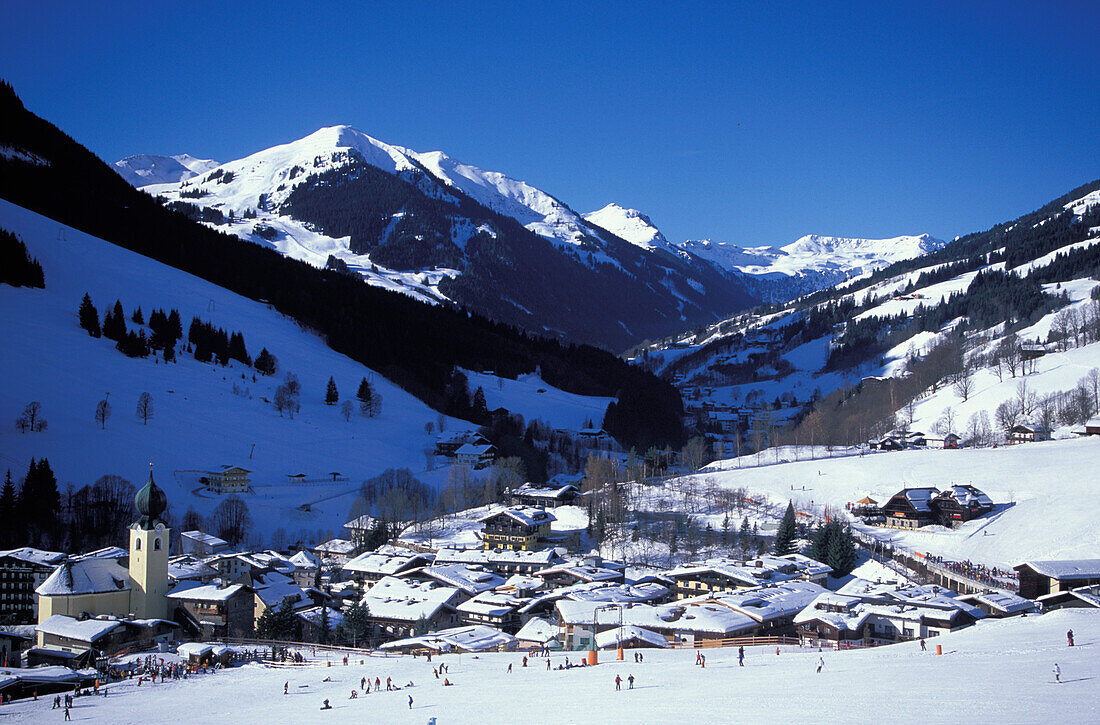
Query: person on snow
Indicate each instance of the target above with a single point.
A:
(618, 682)
(389, 685)
(362, 683)
(286, 687)
(326, 706)
(1057, 673)
(410, 702)
(509, 668)
(67, 715)
(698, 657)
(820, 663)
(525, 661)
(1069, 637)
(703, 661)
(923, 646)
(548, 662)
(741, 656)
(630, 679)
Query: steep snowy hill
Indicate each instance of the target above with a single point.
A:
(631, 225)
(203, 415)
(439, 229)
(145, 169)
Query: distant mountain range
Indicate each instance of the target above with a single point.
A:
(145, 169)
(435, 228)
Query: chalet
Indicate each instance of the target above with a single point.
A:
(397, 606)
(384, 561)
(1028, 433)
(213, 611)
(104, 634)
(1079, 598)
(518, 527)
(306, 568)
(227, 479)
(887, 443)
(948, 440)
(476, 456)
(773, 607)
(339, 551)
(570, 573)
(1039, 578)
(1092, 427)
(959, 504)
(915, 438)
(360, 529)
(1000, 604)
(317, 622)
(190, 568)
(502, 561)
(630, 637)
(200, 544)
(470, 579)
(727, 422)
(579, 622)
(865, 507)
(448, 445)
(910, 508)
(273, 588)
(727, 575)
(12, 645)
(21, 572)
(495, 609)
(1032, 351)
(545, 496)
(538, 633)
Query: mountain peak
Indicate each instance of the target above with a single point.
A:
(629, 224)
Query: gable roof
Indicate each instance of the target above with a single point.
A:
(87, 630)
(405, 600)
(85, 576)
(526, 515)
(1065, 568)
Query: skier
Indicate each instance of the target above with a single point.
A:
(923, 646)
(362, 683)
(618, 682)
(286, 687)
(741, 656)
(326, 706)
(630, 679)
(698, 657)
(525, 661)
(1057, 673)
(547, 662)
(1069, 636)
(410, 702)
(509, 668)
(820, 663)
(67, 715)
(703, 662)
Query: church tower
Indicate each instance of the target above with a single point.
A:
(149, 553)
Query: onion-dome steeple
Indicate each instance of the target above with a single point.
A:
(150, 503)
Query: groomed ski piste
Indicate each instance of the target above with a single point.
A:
(999, 671)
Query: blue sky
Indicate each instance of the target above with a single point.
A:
(754, 123)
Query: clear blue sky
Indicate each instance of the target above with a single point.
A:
(754, 122)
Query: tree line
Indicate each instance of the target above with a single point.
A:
(17, 267)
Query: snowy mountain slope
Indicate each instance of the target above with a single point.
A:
(997, 671)
(631, 225)
(1048, 484)
(199, 422)
(441, 229)
(145, 169)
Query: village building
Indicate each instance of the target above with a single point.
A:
(338, 551)
(1000, 604)
(272, 588)
(910, 508)
(307, 567)
(947, 441)
(398, 606)
(1092, 426)
(360, 530)
(545, 496)
(492, 608)
(104, 634)
(686, 622)
(569, 573)
(502, 561)
(21, 572)
(316, 624)
(214, 611)
(630, 637)
(384, 561)
(519, 527)
(190, 568)
(448, 444)
(470, 579)
(1039, 578)
(960, 503)
(200, 544)
(1077, 598)
(1028, 433)
(227, 479)
(472, 638)
(729, 575)
(12, 645)
(476, 455)
(538, 633)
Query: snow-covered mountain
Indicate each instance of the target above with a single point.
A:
(631, 225)
(439, 229)
(145, 169)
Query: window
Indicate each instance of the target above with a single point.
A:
(156, 544)
(137, 544)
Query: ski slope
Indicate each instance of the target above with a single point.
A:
(997, 671)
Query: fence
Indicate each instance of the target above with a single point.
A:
(736, 642)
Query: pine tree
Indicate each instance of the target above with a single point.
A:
(9, 513)
(175, 327)
(89, 316)
(114, 323)
(365, 392)
(137, 317)
(354, 629)
(784, 537)
(332, 397)
(745, 533)
(841, 555)
(266, 363)
(480, 411)
(324, 638)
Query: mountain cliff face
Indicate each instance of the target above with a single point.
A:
(441, 230)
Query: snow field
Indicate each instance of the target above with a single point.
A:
(997, 671)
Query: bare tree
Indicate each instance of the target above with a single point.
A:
(964, 381)
(31, 419)
(102, 413)
(1009, 351)
(1025, 399)
(946, 422)
(346, 408)
(286, 396)
(145, 407)
(231, 520)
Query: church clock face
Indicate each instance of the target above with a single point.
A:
(159, 527)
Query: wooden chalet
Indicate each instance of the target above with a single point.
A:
(1092, 427)
(1028, 433)
(476, 456)
(959, 504)
(546, 496)
(1039, 578)
(910, 508)
(227, 479)
(519, 527)
(948, 440)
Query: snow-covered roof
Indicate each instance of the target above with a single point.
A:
(678, 617)
(920, 498)
(107, 552)
(405, 600)
(305, 560)
(470, 578)
(85, 576)
(341, 547)
(526, 515)
(474, 638)
(537, 630)
(504, 557)
(87, 630)
(967, 496)
(491, 604)
(30, 555)
(207, 539)
(1003, 602)
(629, 632)
(313, 615)
(530, 489)
(361, 523)
(272, 588)
(471, 449)
(386, 560)
(194, 649)
(1066, 568)
(581, 572)
(771, 602)
(188, 567)
(749, 573)
(205, 592)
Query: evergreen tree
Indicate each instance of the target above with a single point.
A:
(784, 537)
(364, 393)
(331, 395)
(89, 316)
(237, 349)
(137, 318)
(354, 629)
(266, 363)
(277, 623)
(114, 324)
(841, 555)
(745, 534)
(479, 410)
(325, 633)
(170, 354)
(10, 532)
(175, 326)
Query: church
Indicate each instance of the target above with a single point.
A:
(96, 604)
